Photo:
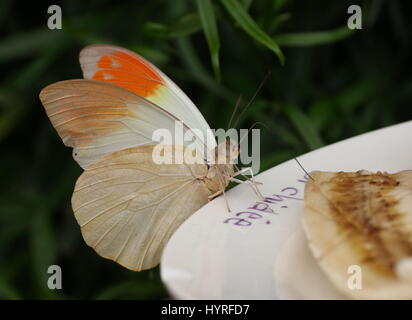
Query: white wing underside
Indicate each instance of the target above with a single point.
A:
(169, 96)
(97, 118)
(128, 207)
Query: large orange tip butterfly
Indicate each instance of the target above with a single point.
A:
(127, 205)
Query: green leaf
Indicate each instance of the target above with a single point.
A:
(5, 6)
(184, 26)
(279, 4)
(192, 62)
(30, 72)
(27, 43)
(274, 158)
(238, 12)
(208, 19)
(321, 112)
(10, 114)
(246, 4)
(43, 248)
(304, 126)
(144, 289)
(358, 93)
(155, 55)
(279, 20)
(313, 38)
(14, 219)
(7, 291)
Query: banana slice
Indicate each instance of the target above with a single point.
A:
(359, 229)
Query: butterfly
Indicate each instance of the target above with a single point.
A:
(126, 204)
(358, 225)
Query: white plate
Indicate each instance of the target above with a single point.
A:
(210, 257)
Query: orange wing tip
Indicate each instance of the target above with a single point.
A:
(120, 67)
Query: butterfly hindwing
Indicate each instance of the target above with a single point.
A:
(128, 206)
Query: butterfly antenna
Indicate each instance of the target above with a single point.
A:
(271, 130)
(300, 165)
(251, 127)
(238, 101)
(265, 79)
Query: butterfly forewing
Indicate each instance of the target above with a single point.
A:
(127, 69)
(98, 118)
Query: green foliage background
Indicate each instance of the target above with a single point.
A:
(333, 84)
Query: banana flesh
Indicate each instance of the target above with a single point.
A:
(362, 219)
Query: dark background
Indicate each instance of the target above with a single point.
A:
(334, 84)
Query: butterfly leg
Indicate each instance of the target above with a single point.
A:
(214, 195)
(251, 184)
(227, 202)
(224, 195)
(250, 181)
(243, 171)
